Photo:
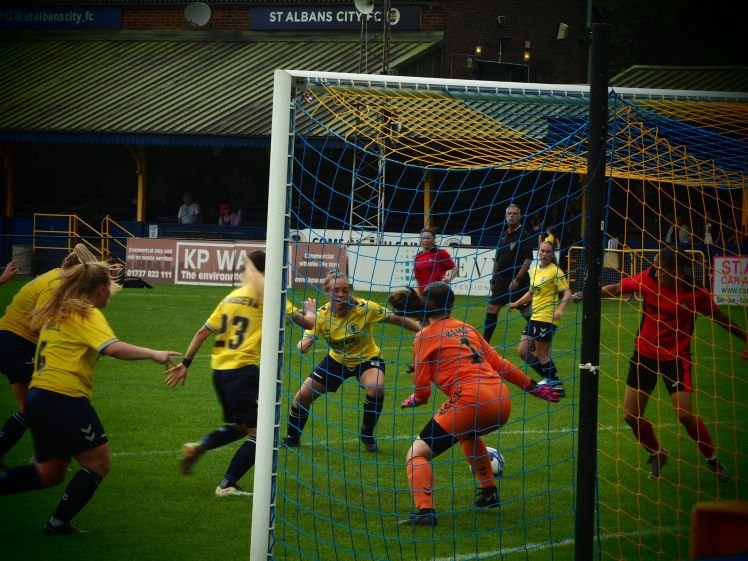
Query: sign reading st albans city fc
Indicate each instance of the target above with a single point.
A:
(315, 18)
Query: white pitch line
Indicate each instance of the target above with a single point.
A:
(176, 451)
(146, 452)
(536, 547)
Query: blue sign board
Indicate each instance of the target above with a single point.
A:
(60, 18)
(316, 18)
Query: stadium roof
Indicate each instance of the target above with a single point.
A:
(188, 88)
(180, 3)
(697, 78)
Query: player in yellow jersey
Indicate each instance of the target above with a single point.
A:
(345, 321)
(18, 340)
(547, 283)
(73, 333)
(237, 325)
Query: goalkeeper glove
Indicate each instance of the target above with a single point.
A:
(546, 392)
(410, 402)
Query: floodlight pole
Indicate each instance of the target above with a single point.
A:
(584, 530)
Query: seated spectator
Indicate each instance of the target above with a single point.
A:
(678, 233)
(228, 218)
(711, 233)
(189, 212)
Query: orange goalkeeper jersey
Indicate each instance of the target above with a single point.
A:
(450, 352)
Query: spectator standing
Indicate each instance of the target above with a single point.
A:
(189, 212)
(509, 280)
(432, 264)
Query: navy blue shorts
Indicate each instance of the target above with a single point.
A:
(330, 373)
(540, 330)
(62, 426)
(237, 391)
(16, 357)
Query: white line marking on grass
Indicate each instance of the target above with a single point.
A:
(533, 547)
(176, 451)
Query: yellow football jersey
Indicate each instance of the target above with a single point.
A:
(237, 324)
(67, 352)
(546, 283)
(349, 336)
(31, 295)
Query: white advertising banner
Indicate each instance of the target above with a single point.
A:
(382, 268)
(373, 268)
(356, 237)
(212, 263)
(730, 282)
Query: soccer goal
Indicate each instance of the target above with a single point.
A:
(360, 165)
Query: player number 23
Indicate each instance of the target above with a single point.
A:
(238, 327)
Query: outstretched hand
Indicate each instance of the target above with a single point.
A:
(310, 306)
(175, 375)
(164, 357)
(546, 392)
(410, 401)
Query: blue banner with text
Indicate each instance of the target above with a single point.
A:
(60, 18)
(316, 18)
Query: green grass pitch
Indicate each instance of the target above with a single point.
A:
(146, 509)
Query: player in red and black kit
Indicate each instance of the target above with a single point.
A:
(432, 263)
(663, 347)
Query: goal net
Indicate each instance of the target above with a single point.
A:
(359, 166)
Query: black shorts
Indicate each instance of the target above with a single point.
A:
(540, 330)
(62, 426)
(437, 438)
(330, 373)
(237, 390)
(16, 357)
(644, 371)
(502, 295)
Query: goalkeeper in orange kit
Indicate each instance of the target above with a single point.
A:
(454, 357)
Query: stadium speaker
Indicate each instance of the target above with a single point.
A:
(364, 6)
